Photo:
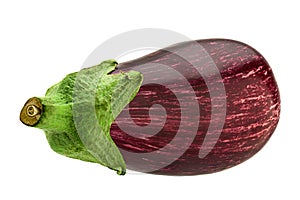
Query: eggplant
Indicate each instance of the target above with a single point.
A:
(196, 107)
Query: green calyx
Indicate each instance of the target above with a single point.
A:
(77, 113)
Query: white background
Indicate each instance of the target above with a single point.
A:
(42, 42)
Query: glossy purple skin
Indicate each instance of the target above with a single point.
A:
(252, 111)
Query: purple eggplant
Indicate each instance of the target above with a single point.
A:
(206, 106)
(196, 107)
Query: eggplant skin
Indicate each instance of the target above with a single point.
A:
(251, 114)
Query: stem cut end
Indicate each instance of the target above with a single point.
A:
(31, 111)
